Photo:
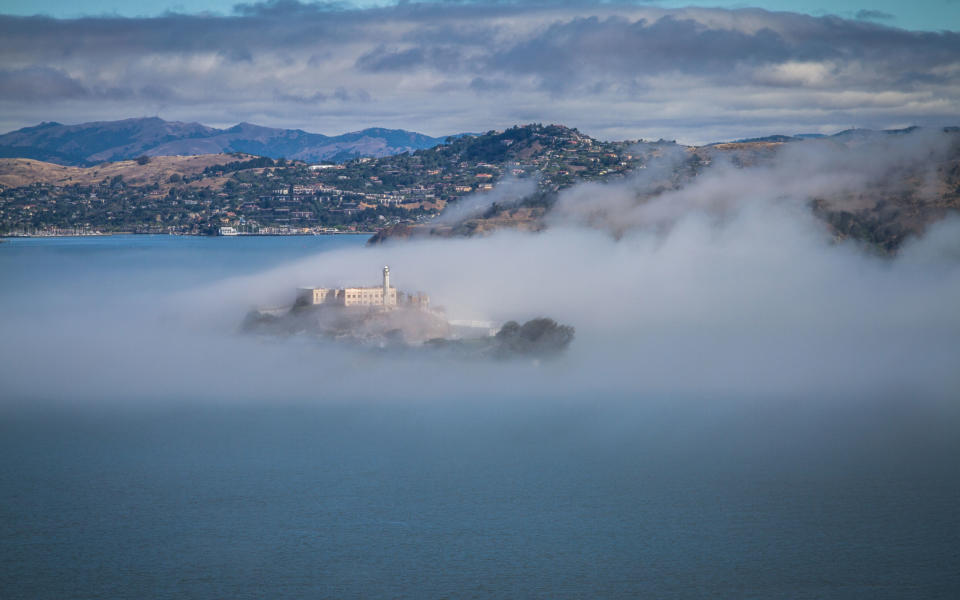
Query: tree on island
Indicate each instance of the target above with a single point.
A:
(537, 337)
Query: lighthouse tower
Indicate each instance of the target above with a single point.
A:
(386, 285)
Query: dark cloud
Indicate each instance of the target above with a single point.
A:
(382, 59)
(569, 61)
(301, 98)
(588, 47)
(484, 85)
(38, 83)
(340, 94)
(433, 57)
(568, 53)
(286, 8)
(455, 33)
(405, 37)
(158, 92)
(345, 95)
(873, 15)
(237, 54)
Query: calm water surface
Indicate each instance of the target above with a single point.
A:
(501, 497)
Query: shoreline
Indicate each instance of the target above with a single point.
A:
(115, 233)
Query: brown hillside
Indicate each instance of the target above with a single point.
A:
(15, 172)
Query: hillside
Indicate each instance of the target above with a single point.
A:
(92, 143)
(473, 185)
(17, 172)
(884, 212)
(277, 196)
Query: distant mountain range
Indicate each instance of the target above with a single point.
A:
(843, 135)
(92, 143)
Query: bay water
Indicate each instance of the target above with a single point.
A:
(158, 490)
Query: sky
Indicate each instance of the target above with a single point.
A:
(932, 15)
(649, 70)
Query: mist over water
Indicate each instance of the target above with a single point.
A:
(763, 305)
(748, 410)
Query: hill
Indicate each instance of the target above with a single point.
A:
(258, 195)
(17, 172)
(476, 184)
(845, 134)
(917, 190)
(105, 141)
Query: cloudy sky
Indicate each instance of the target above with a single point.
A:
(613, 69)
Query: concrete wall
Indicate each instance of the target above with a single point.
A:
(368, 296)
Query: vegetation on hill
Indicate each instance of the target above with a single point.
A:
(398, 196)
(537, 337)
(263, 195)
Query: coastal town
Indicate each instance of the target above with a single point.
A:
(250, 195)
(400, 196)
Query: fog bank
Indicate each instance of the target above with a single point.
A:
(760, 306)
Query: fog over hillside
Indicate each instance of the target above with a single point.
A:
(729, 287)
(900, 181)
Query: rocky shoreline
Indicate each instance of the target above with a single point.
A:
(412, 329)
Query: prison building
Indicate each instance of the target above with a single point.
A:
(382, 295)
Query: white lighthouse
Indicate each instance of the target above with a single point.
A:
(386, 286)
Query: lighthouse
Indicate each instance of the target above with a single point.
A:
(386, 285)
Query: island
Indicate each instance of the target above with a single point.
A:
(381, 317)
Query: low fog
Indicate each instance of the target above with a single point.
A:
(762, 305)
(725, 287)
(507, 192)
(849, 173)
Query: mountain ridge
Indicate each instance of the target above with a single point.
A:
(95, 142)
(846, 133)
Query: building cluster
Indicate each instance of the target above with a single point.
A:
(359, 195)
(384, 295)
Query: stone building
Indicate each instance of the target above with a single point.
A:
(382, 295)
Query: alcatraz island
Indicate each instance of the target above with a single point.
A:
(381, 317)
